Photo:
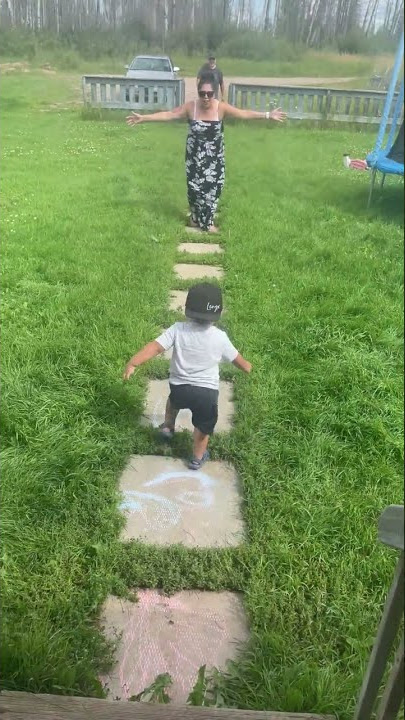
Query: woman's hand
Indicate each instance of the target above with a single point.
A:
(278, 115)
(133, 119)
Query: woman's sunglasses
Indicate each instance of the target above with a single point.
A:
(206, 93)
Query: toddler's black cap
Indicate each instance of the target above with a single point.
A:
(204, 302)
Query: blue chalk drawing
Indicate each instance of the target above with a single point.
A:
(167, 511)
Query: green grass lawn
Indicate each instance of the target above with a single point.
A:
(92, 214)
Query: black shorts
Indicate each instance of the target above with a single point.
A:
(203, 403)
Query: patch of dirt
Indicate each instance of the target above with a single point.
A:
(14, 67)
(25, 67)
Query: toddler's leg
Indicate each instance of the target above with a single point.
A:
(204, 417)
(167, 429)
(170, 415)
(200, 444)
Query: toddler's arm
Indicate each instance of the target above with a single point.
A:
(147, 353)
(242, 364)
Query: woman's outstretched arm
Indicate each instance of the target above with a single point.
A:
(166, 116)
(230, 111)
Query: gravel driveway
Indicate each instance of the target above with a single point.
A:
(309, 81)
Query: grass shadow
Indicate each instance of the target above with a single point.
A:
(387, 204)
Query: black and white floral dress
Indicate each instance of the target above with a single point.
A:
(205, 168)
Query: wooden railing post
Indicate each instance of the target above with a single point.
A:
(231, 94)
(391, 701)
(328, 104)
(391, 532)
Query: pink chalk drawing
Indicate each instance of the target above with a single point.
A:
(160, 512)
(164, 635)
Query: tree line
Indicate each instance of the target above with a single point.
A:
(314, 23)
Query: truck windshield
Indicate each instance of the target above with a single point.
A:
(151, 65)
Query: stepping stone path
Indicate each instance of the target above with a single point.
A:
(177, 635)
(198, 272)
(165, 503)
(178, 300)
(156, 398)
(200, 248)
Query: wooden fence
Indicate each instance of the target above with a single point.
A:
(110, 91)
(311, 103)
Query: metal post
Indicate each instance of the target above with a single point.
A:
(372, 183)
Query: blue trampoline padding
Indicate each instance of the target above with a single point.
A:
(383, 164)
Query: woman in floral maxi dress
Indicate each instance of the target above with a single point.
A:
(205, 168)
(205, 158)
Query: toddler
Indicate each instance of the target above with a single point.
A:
(198, 348)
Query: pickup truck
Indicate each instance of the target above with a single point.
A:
(152, 67)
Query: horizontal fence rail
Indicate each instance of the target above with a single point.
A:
(122, 93)
(311, 103)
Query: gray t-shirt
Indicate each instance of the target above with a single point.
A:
(197, 351)
(217, 75)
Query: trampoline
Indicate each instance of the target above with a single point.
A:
(387, 157)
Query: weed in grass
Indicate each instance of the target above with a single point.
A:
(313, 292)
(156, 692)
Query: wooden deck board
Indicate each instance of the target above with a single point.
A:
(27, 706)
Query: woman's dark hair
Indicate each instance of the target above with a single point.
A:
(206, 79)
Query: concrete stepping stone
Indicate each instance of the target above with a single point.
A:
(175, 635)
(178, 300)
(200, 248)
(158, 392)
(165, 503)
(197, 272)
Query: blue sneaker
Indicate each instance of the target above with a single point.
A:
(196, 464)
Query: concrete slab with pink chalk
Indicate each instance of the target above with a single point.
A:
(174, 635)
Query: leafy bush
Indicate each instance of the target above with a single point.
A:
(67, 60)
(382, 42)
(252, 45)
(191, 41)
(16, 43)
(215, 34)
(356, 42)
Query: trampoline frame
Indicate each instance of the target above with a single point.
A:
(380, 154)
